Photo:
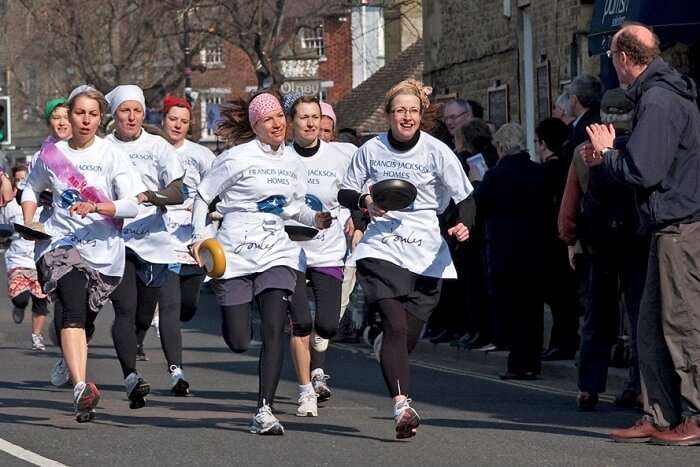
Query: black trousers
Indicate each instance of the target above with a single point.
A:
(519, 306)
(614, 273)
(560, 293)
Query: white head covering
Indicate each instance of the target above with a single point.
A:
(79, 90)
(125, 92)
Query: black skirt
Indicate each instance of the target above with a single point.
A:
(382, 279)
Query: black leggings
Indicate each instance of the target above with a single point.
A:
(401, 333)
(58, 321)
(326, 292)
(178, 291)
(236, 330)
(190, 286)
(39, 305)
(134, 306)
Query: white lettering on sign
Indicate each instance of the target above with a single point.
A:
(616, 8)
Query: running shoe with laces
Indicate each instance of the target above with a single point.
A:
(179, 386)
(264, 423)
(17, 314)
(86, 396)
(318, 379)
(140, 354)
(136, 390)
(59, 373)
(308, 406)
(406, 419)
(318, 343)
(38, 342)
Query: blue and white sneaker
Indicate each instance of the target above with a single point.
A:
(264, 423)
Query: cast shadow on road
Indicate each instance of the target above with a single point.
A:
(470, 424)
(237, 424)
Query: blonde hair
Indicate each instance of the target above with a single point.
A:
(413, 87)
(508, 139)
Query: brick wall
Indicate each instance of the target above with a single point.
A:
(236, 74)
(471, 45)
(338, 66)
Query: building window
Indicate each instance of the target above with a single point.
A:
(312, 38)
(212, 56)
(210, 116)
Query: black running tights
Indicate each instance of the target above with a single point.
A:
(134, 305)
(401, 333)
(236, 329)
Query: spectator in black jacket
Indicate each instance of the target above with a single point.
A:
(512, 201)
(559, 279)
(662, 160)
(585, 93)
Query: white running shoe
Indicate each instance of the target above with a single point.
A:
(318, 343)
(136, 390)
(59, 373)
(318, 379)
(308, 406)
(406, 419)
(179, 386)
(264, 423)
(86, 396)
(377, 346)
(38, 342)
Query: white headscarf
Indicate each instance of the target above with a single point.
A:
(125, 92)
(79, 90)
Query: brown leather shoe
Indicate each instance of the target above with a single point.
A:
(640, 432)
(687, 433)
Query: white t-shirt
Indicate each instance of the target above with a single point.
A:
(259, 189)
(324, 172)
(410, 238)
(106, 168)
(155, 160)
(196, 160)
(20, 253)
(349, 150)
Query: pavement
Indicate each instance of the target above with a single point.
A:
(469, 416)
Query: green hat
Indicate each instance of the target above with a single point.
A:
(51, 106)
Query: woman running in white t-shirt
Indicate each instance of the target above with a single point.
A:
(83, 261)
(260, 185)
(151, 249)
(402, 256)
(324, 167)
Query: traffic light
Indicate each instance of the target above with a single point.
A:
(5, 122)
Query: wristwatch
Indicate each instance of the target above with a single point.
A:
(604, 150)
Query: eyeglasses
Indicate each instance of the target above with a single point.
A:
(403, 112)
(610, 53)
(448, 118)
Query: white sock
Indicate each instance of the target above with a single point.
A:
(78, 387)
(317, 372)
(306, 388)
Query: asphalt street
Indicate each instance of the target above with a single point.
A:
(469, 417)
